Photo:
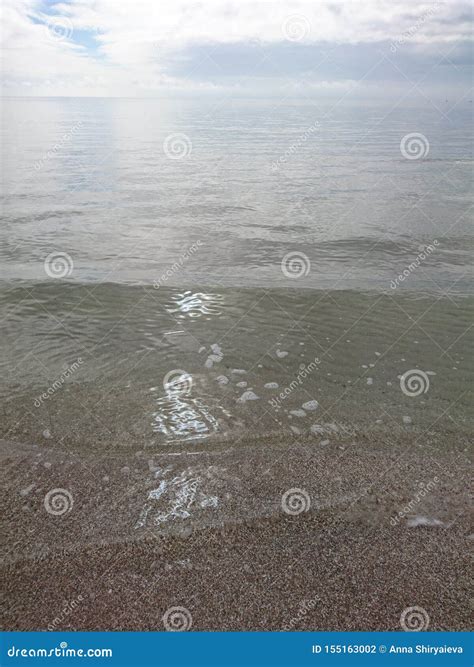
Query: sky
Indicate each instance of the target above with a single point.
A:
(375, 48)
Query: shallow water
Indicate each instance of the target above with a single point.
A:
(124, 366)
(210, 298)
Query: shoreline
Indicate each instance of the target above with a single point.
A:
(253, 576)
(243, 563)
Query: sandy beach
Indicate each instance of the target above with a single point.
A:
(236, 311)
(358, 551)
(236, 389)
(307, 468)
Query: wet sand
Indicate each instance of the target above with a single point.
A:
(333, 497)
(123, 498)
(121, 554)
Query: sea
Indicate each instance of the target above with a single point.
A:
(188, 273)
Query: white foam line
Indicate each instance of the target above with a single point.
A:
(225, 451)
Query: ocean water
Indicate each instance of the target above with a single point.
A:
(176, 273)
(250, 181)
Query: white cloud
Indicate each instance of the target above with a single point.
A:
(109, 47)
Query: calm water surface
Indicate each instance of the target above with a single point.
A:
(146, 237)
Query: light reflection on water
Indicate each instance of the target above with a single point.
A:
(347, 201)
(346, 198)
(178, 495)
(183, 418)
(195, 304)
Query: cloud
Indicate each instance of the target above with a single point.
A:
(107, 47)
